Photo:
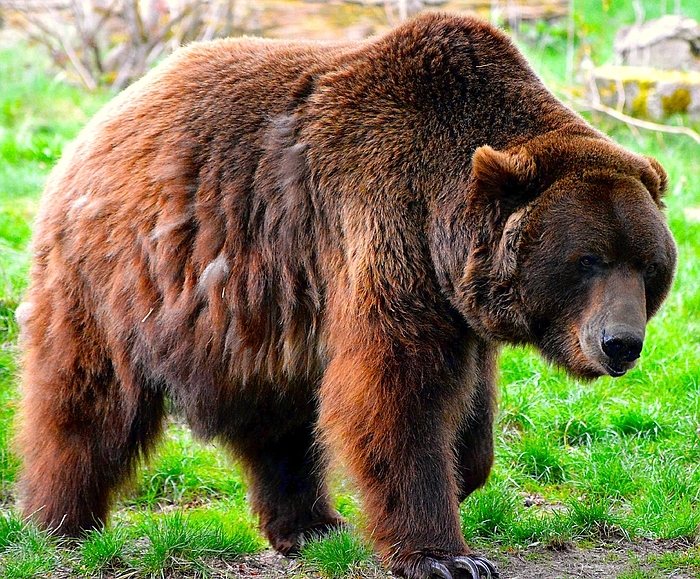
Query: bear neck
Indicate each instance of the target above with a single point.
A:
(465, 238)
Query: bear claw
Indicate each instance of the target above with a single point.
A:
(477, 567)
(466, 564)
(437, 569)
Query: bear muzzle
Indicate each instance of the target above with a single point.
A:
(612, 350)
(615, 323)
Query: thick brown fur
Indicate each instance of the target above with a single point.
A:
(309, 243)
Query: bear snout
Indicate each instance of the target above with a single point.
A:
(615, 348)
(612, 347)
(615, 322)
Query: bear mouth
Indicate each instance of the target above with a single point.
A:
(614, 371)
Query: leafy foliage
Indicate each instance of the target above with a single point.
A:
(114, 42)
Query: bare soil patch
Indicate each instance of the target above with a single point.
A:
(602, 561)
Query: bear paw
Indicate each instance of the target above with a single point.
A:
(449, 567)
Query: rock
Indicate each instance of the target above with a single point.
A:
(647, 93)
(670, 42)
(657, 70)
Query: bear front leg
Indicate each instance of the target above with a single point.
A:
(474, 444)
(392, 415)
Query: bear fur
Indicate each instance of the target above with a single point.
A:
(315, 250)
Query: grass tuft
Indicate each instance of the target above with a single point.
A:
(184, 471)
(28, 552)
(638, 420)
(678, 562)
(178, 541)
(594, 518)
(10, 530)
(489, 512)
(541, 459)
(339, 554)
(103, 551)
(607, 472)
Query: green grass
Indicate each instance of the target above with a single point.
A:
(576, 462)
(148, 545)
(186, 471)
(27, 552)
(103, 551)
(339, 554)
(489, 513)
(686, 561)
(188, 542)
(10, 528)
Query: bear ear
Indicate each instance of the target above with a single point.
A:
(655, 180)
(504, 176)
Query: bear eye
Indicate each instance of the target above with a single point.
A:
(587, 261)
(650, 269)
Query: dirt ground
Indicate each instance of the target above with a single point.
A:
(603, 561)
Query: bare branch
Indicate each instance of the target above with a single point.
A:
(648, 125)
(113, 42)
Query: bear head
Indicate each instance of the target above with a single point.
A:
(572, 252)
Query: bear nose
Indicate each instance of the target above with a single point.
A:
(622, 345)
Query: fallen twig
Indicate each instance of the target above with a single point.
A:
(636, 122)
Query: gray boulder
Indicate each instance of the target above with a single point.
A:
(670, 43)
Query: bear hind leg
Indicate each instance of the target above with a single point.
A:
(286, 473)
(82, 430)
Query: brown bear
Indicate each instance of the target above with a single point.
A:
(315, 250)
